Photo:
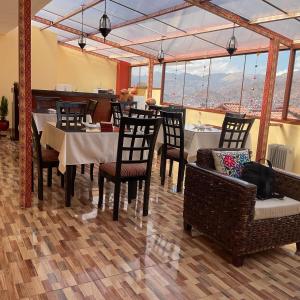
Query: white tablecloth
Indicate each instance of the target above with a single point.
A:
(76, 148)
(195, 139)
(41, 119)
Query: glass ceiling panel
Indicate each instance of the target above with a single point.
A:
(77, 25)
(191, 18)
(289, 6)
(289, 28)
(63, 33)
(250, 9)
(47, 15)
(63, 7)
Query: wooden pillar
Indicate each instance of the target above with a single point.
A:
(288, 85)
(25, 105)
(267, 99)
(150, 78)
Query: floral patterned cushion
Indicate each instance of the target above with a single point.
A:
(231, 162)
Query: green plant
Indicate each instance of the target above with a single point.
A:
(3, 108)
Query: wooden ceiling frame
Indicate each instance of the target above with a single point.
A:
(73, 13)
(279, 17)
(243, 22)
(94, 38)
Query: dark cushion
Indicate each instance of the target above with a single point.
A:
(127, 170)
(175, 153)
(49, 155)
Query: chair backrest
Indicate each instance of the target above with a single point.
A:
(36, 139)
(156, 109)
(235, 132)
(173, 130)
(116, 113)
(178, 109)
(135, 146)
(71, 114)
(91, 107)
(44, 103)
(140, 113)
(235, 115)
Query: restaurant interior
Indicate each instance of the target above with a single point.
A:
(150, 149)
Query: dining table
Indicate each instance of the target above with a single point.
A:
(79, 146)
(198, 136)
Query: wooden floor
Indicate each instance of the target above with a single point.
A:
(53, 252)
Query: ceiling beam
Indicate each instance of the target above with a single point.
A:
(94, 38)
(291, 15)
(226, 14)
(88, 52)
(73, 13)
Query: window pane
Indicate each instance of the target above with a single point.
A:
(135, 76)
(157, 75)
(255, 72)
(281, 74)
(196, 81)
(174, 81)
(294, 107)
(225, 83)
(143, 76)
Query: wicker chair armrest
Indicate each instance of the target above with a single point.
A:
(287, 184)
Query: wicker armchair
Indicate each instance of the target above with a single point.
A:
(223, 208)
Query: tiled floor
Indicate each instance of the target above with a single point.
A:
(53, 252)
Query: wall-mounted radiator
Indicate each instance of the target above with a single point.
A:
(281, 156)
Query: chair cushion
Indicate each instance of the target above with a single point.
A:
(49, 155)
(230, 162)
(175, 153)
(127, 170)
(276, 208)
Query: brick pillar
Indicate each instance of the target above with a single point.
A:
(25, 101)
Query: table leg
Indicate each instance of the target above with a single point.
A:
(68, 185)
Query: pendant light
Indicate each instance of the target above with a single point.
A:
(105, 25)
(161, 54)
(232, 43)
(82, 39)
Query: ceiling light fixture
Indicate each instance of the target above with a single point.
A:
(105, 24)
(82, 39)
(232, 43)
(161, 54)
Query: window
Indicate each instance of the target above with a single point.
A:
(139, 76)
(196, 83)
(157, 76)
(294, 105)
(174, 82)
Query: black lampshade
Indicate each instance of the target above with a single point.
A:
(232, 45)
(82, 41)
(105, 25)
(161, 56)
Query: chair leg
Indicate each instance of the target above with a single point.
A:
(92, 172)
(140, 184)
(49, 177)
(101, 190)
(237, 261)
(187, 226)
(40, 184)
(146, 197)
(116, 201)
(73, 180)
(298, 248)
(171, 168)
(62, 180)
(32, 177)
(163, 163)
(180, 177)
(82, 169)
(132, 190)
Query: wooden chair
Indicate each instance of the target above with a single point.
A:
(173, 147)
(235, 115)
(117, 113)
(176, 108)
(91, 107)
(156, 109)
(235, 132)
(46, 159)
(44, 103)
(134, 161)
(140, 113)
(71, 114)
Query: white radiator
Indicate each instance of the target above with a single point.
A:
(281, 156)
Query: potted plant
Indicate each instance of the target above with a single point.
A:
(4, 124)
